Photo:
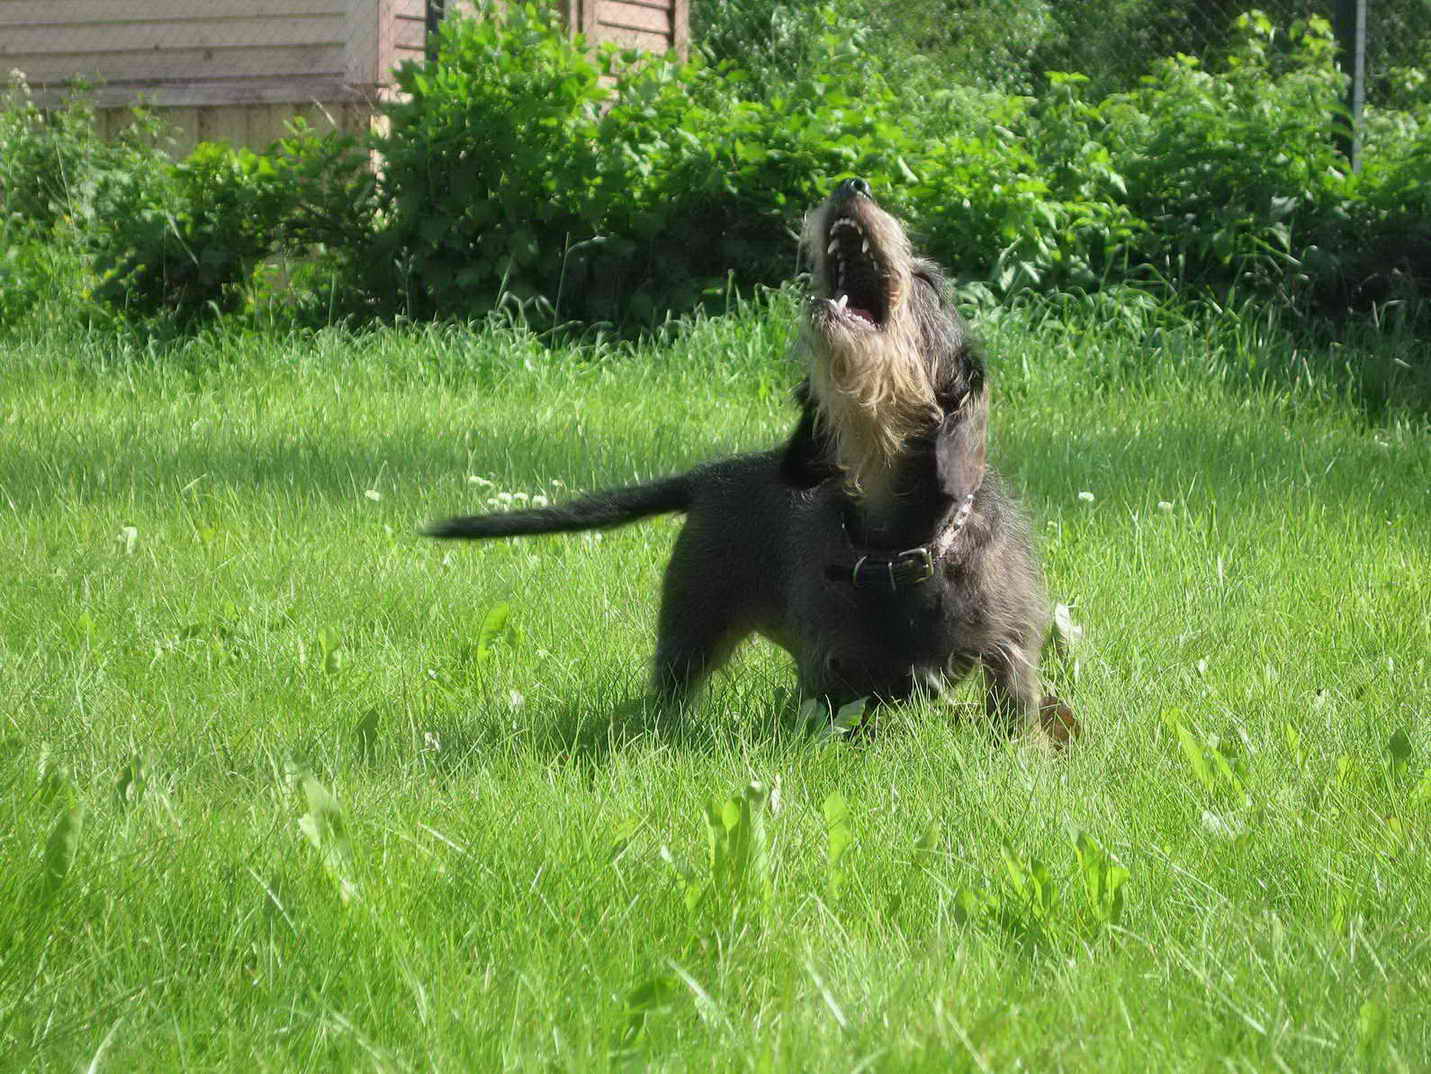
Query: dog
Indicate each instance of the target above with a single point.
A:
(876, 546)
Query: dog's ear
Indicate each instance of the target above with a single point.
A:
(961, 443)
(808, 458)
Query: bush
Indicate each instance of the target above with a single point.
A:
(623, 190)
(1237, 179)
(512, 169)
(54, 166)
(185, 238)
(41, 282)
(55, 171)
(607, 187)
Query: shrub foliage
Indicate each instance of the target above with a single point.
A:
(602, 186)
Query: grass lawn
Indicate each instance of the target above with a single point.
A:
(283, 790)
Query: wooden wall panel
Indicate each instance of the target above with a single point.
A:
(254, 125)
(640, 39)
(109, 12)
(172, 41)
(157, 39)
(652, 25)
(409, 30)
(181, 65)
(237, 70)
(653, 18)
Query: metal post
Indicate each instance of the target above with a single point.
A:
(435, 10)
(1351, 42)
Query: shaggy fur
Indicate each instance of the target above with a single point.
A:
(876, 546)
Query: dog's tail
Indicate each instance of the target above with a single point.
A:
(600, 510)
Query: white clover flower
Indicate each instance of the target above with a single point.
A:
(374, 495)
(1164, 506)
(539, 500)
(480, 482)
(1086, 497)
(520, 497)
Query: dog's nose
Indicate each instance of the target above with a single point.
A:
(852, 188)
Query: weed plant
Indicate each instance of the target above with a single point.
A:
(287, 787)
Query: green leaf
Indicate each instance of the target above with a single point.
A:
(1371, 1028)
(493, 629)
(326, 829)
(739, 851)
(366, 733)
(839, 836)
(1103, 879)
(1400, 751)
(1293, 738)
(1031, 882)
(130, 786)
(850, 715)
(655, 995)
(61, 849)
(1192, 751)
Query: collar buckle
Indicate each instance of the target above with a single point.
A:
(920, 562)
(911, 567)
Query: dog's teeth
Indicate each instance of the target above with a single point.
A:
(842, 302)
(834, 245)
(865, 247)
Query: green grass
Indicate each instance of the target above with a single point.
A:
(272, 800)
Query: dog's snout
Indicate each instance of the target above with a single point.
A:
(853, 188)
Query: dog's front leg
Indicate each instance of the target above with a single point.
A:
(807, 458)
(1013, 689)
(1015, 701)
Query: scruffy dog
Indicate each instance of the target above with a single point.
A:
(876, 547)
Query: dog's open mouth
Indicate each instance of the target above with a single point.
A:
(857, 282)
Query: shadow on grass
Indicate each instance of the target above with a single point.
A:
(748, 713)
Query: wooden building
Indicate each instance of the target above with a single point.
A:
(238, 70)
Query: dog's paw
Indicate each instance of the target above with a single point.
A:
(1057, 722)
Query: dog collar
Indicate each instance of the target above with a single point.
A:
(908, 568)
(912, 567)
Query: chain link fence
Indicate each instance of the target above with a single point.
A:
(1008, 44)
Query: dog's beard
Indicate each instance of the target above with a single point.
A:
(872, 394)
(868, 377)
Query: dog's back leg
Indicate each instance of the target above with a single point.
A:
(704, 616)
